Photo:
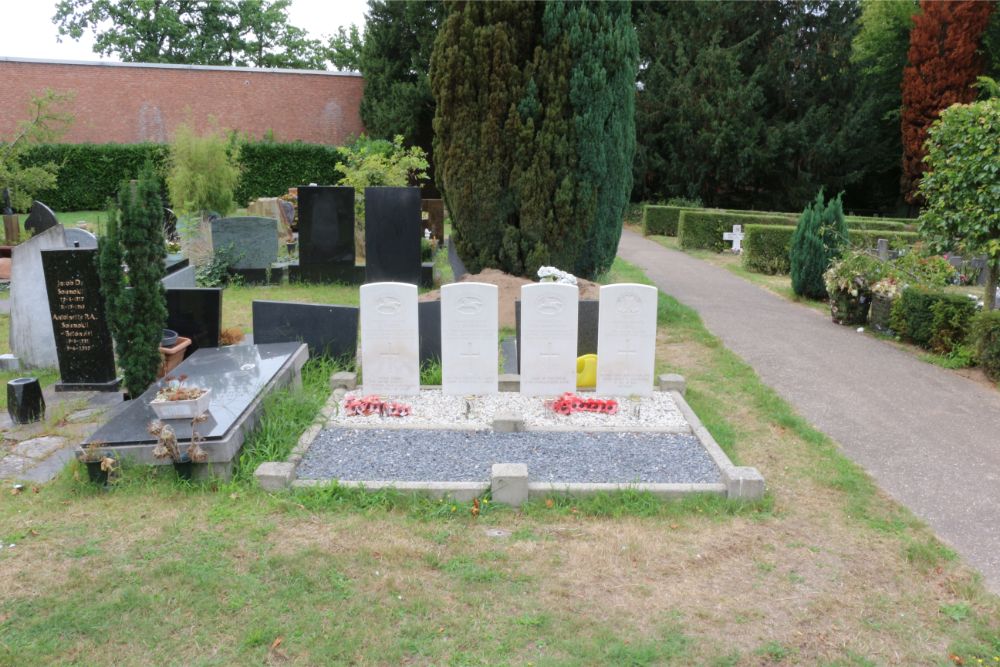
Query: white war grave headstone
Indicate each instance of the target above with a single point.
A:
(549, 313)
(32, 339)
(390, 347)
(736, 236)
(626, 339)
(469, 343)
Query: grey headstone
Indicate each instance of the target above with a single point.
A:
(40, 218)
(31, 336)
(253, 241)
(80, 238)
(883, 249)
(182, 279)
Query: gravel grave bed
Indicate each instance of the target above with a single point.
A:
(433, 409)
(386, 455)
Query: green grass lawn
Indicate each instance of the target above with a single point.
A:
(826, 570)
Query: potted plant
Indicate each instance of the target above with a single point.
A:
(884, 292)
(175, 400)
(848, 282)
(167, 447)
(100, 466)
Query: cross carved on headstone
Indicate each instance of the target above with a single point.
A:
(736, 236)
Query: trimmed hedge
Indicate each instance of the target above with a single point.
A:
(269, 169)
(703, 229)
(766, 247)
(90, 174)
(986, 335)
(661, 219)
(935, 320)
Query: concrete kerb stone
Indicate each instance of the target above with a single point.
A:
(344, 380)
(742, 483)
(663, 491)
(458, 491)
(509, 382)
(508, 422)
(509, 483)
(673, 382)
(275, 475)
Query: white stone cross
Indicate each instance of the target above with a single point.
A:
(736, 236)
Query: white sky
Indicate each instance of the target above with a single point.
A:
(28, 30)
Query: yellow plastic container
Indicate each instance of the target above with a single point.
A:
(586, 371)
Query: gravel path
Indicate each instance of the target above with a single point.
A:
(466, 456)
(433, 409)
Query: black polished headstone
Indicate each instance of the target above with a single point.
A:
(25, 403)
(326, 233)
(586, 327)
(196, 313)
(429, 318)
(40, 218)
(392, 235)
(328, 330)
(83, 341)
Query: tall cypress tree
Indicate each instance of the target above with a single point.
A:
(136, 316)
(534, 131)
(816, 242)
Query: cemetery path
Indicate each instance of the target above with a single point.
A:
(928, 436)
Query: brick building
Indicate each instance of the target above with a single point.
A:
(134, 102)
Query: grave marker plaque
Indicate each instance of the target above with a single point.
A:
(548, 338)
(83, 341)
(390, 363)
(392, 235)
(469, 350)
(626, 340)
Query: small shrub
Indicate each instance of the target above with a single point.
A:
(934, 320)
(916, 268)
(765, 248)
(216, 271)
(203, 172)
(819, 236)
(986, 340)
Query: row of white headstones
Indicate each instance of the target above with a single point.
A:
(626, 339)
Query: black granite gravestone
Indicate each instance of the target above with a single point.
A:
(392, 235)
(586, 327)
(330, 331)
(196, 313)
(83, 340)
(170, 225)
(40, 218)
(326, 234)
(429, 318)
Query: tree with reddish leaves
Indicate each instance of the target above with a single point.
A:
(944, 61)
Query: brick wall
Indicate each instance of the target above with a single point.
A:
(116, 103)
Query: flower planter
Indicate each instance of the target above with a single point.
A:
(848, 309)
(184, 468)
(171, 357)
(880, 312)
(182, 409)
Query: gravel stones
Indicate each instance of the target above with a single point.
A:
(553, 456)
(432, 409)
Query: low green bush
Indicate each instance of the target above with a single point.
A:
(935, 320)
(703, 229)
(660, 219)
(765, 248)
(268, 169)
(986, 339)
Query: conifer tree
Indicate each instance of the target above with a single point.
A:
(534, 131)
(944, 61)
(136, 316)
(818, 239)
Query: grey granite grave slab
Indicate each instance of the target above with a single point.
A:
(80, 238)
(239, 377)
(392, 235)
(253, 240)
(328, 330)
(31, 336)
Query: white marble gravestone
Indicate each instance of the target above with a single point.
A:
(390, 343)
(736, 236)
(31, 337)
(626, 340)
(548, 338)
(469, 343)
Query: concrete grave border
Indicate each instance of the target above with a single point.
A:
(510, 482)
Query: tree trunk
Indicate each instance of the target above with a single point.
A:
(992, 274)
